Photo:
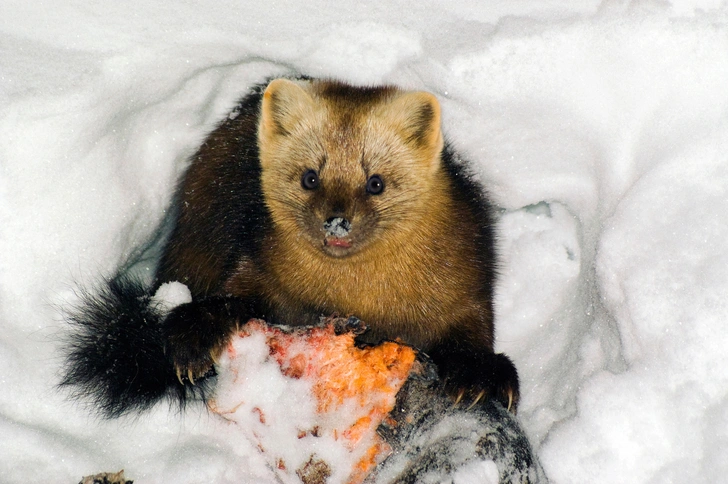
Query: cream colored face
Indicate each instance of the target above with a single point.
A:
(345, 168)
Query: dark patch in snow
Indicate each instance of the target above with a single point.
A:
(433, 438)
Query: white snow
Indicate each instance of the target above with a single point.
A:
(170, 295)
(484, 472)
(600, 128)
(274, 415)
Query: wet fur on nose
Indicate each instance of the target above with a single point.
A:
(337, 227)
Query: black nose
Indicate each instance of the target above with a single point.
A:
(337, 227)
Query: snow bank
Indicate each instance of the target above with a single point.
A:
(599, 128)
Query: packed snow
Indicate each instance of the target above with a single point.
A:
(599, 128)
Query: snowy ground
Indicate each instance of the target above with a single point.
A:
(600, 128)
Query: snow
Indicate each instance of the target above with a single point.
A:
(484, 472)
(170, 295)
(599, 128)
(283, 408)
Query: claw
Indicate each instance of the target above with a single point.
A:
(459, 397)
(179, 376)
(477, 399)
(189, 375)
(510, 399)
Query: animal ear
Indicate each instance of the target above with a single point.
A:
(416, 115)
(285, 104)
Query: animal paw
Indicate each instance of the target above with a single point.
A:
(474, 377)
(196, 334)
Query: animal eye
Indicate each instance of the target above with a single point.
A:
(375, 185)
(310, 180)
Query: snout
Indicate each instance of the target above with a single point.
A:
(337, 234)
(337, 227)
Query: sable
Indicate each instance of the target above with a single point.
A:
(319, 198)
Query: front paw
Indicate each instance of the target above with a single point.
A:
(196, 334)
(474, 377)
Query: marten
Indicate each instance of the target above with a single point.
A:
(312, 198)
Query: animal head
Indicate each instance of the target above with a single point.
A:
(345, 167)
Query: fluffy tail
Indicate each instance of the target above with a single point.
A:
(115, 356)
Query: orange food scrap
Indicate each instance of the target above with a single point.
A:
(363, 381)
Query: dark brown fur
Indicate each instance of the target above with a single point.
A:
(418, 262)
